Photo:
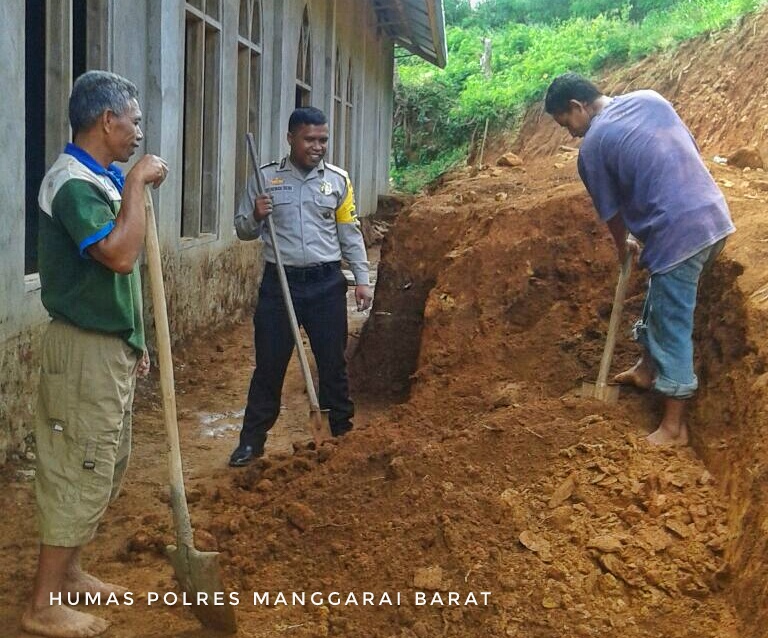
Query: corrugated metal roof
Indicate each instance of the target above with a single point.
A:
(416, 25)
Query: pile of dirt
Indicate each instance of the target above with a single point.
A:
(494, 476)
(561, 513)
(492, 500)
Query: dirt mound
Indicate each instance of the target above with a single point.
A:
(515, 308)
(574, 529)
(494, 477)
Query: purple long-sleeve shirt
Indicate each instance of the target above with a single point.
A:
(639, 160)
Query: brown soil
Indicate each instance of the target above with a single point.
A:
(491, 474)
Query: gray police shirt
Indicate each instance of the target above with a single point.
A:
(313, 214)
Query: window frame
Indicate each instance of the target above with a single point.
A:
(304, 62)
(55, 76)
(201, 157)
(249, 100)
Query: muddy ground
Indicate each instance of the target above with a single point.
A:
(474, 465)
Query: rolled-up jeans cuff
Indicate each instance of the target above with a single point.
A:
(674, 389)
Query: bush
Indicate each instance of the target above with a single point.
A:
(413, 178)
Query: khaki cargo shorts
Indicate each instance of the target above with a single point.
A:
(83, 430)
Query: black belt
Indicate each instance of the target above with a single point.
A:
(304, 273)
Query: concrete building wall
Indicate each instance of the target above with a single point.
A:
(20, 313)
(212, 278)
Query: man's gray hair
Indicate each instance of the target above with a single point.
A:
(95, 92)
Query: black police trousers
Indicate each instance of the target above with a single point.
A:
(320, 302)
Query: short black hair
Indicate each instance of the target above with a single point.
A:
(95, 92)
(567, 87)
(306, 115)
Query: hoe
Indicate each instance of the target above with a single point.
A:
(601, 389)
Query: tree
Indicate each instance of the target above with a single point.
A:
(496, 14)
(457, 12)
(641, 8)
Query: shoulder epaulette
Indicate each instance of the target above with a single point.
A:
(275, 163)
(336, 169)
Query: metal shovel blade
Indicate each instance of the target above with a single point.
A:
(198, 575)
(321, 428)
(608, 392)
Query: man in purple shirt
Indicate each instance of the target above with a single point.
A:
(644, 173)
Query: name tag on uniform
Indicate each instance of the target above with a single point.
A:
(283, 187)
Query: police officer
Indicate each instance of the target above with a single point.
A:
(313, 211)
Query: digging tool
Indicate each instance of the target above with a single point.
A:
(197, 572)
(601, 389)
(318, 419)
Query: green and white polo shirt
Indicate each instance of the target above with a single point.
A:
(78, 208)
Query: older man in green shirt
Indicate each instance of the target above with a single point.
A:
(92, 224)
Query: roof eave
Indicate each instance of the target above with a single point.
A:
(398, 17)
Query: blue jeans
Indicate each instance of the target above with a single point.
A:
(666, 327)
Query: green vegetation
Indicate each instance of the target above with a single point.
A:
(440, 114)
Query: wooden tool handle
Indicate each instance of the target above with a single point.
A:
(613, 324)
(179, 507)
(314, 404)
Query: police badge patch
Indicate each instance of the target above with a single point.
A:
(326, 188)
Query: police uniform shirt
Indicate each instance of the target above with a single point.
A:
(313, 214)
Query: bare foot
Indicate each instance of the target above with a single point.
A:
(60, 621)
(639, 375)
(83, 583)
(669, 435)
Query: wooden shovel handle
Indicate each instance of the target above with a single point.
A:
(314, 404)
(613, 324)
(179, 507)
